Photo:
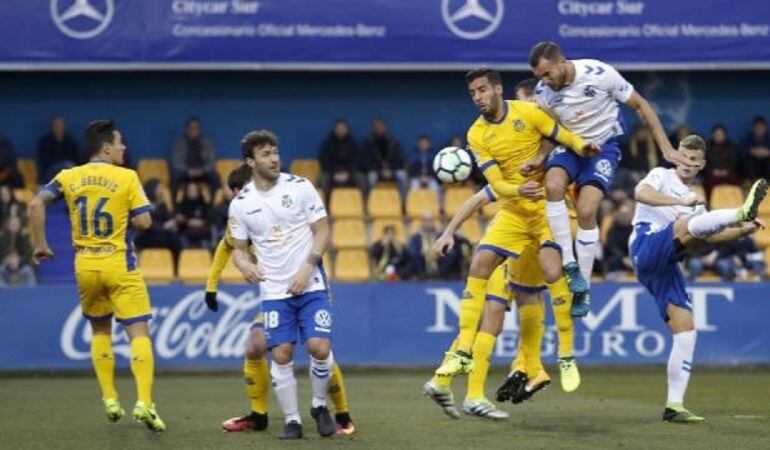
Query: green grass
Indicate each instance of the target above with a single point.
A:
(614, 408)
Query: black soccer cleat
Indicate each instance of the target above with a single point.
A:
(511, 387)
(292, 430)
(323, 421)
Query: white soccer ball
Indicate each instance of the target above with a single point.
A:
(452, 165)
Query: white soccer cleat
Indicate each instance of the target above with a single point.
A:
(443, 397)
(483, 408)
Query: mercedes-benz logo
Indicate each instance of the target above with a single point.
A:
(82, 20)
(472, 20)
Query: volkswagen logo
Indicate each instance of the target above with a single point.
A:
(82, 19)
(472, 19)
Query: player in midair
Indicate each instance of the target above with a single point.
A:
(583, 95)
(671, 220)
(106, 203)
(284, 219)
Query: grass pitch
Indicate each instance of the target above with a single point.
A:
(614, 408)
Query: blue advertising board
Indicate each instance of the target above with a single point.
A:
(403, 34)
(401, 324)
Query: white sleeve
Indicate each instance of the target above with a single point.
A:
(236, 223)
(655, 178)
(311, 202)
(614, 83)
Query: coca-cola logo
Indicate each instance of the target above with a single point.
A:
(185, 330)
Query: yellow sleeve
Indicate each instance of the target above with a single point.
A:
(549, 128)
(499, 185)
(138, 202)
(221, 257)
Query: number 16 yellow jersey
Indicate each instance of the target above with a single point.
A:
(101, 199)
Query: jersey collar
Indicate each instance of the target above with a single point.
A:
(505, 114)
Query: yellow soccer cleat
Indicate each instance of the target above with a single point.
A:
(113, 410)
(676, 413)
(149, 416)
(750, 208)
(458, 363)
(570, 376)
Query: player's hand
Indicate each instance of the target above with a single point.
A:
(211, 301)
(532, 190)
(444, 244)
(761, 225)
(531, 166)
(590, 149)
(676, 158)
(694, 200)
(42, 253)
(252, 274)
(298, 284)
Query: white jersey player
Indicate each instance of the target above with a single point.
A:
(285, 220)
(583, 96)
(670, 220)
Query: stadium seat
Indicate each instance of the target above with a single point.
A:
(194, 266)
(698, 189)
(352, 265)
(764, 208)
(231, 274)
(328, 266)
(454, 197)
(422, 201)
(762, 238)
(378, 227)
(726, 196)
(346, 203)
(308, 168)
(23, 195)
(490, 209)
(28, 170)
(471, 230)
(157, 265)
(384, 203)
(225, 166)
(348, 233)
(149, 168)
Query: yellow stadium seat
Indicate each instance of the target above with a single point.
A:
(346, 203)
(384, 203)
(698, 189)
(23, 195)
(422, 201)
(490, 209)
(348, 233)
(225, 166)
(28, 170)
(352, 265)
(764, 208)
(308, 168)
(762, 238)
(231, 274)
(454, 197)
(157, 265)
(194, 266)
(149, 168)
(378, 227)
(726, 196)
(471, 230)
(328, 266)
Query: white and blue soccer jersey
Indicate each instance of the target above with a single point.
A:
(652, 246)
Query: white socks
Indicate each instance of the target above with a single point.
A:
(558, 220)
(587, 243)
(680, 365)
(712, 222)
(285, 388)
(320, 375)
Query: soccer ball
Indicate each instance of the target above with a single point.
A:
(452, 165)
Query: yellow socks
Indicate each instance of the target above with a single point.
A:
(471, 309)
(446, 381)
(337, 392)
(561, 302)
(143, 368)
(257, 377)
(530, 336)
(104, 364)
(482, 351)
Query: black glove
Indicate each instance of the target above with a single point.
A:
(211, 301)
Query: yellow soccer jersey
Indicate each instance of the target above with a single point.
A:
(514, 140)
(101, 198)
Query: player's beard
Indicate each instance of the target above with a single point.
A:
(269, 174)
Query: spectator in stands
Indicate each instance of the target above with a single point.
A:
(340, 160)
(193, 156)
(722, 160)
(9, 171)
(616, 258)
(56, 150)
(10, 207)
(164, 232)
(390, 257)
(639, 155)
(384, 158)
(681, 132)
(735, 259)
(193, 216)
(15, 272)
(421, 166)
(756, 151)
(16, 253)
(423, 259)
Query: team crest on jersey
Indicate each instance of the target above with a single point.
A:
(287, 201)
(518, 125)
(558, 301)
(466, 295)
(323, 318)
(589, 91)
(604, 169)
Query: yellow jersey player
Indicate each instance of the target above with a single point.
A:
(106, 203)
(255, 370)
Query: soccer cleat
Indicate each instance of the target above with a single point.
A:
(345, 424)
(581, 305)
(533, 386)
(323, 421)
(443, 397)
(251, 422)
(292, 430)
(513, 384)
(750, 207)
(483, 408)
(569, 374)
(458, 363)
(581, 298)
(149, 416)
(676, 413)
(113, 410)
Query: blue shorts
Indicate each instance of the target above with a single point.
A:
(598, 171)
(309, 315)
(657, 266)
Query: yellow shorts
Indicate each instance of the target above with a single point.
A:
(509, 234)
(121, 293)
(516, 274)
